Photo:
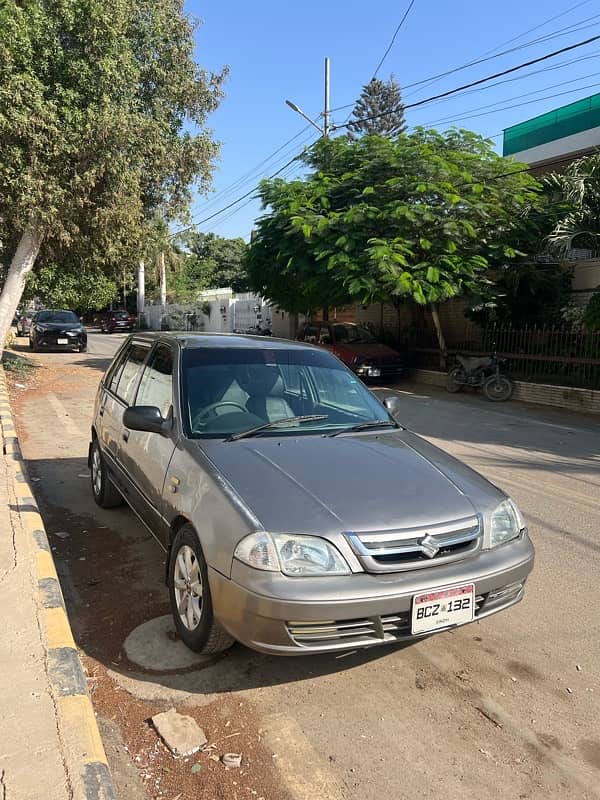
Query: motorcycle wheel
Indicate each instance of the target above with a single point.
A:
(498, 388)
(456, 380)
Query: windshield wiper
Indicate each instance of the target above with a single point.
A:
(253, 431)
(364, 426)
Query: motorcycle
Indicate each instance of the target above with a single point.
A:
(480, 373)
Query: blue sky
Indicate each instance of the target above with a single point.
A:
(276, 50)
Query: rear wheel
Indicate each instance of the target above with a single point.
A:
(191, 601)
(498, 388)
(105, 492)
(456, 380)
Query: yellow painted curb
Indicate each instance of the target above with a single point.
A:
(81, 728)
(58, 630)
(45, 565)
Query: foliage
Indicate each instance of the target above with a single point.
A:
(591, 317)
(73, 285)
(578, 187)
(211, 262)
(415, 219)
(378, 97)
(20, 367)
(102, 115)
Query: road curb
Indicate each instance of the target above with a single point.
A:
(82, 750)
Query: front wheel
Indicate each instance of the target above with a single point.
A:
(498, 388)
(190, 597)
(456, 380)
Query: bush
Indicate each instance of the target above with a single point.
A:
(591, 316)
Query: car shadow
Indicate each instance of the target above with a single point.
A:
(112, 574)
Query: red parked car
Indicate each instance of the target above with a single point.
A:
(356, 347)
(118, 320)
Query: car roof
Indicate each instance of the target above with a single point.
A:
(192, 340)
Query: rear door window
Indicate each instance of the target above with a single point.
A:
(130, 373)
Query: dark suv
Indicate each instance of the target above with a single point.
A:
(356, 346)
(119, 320)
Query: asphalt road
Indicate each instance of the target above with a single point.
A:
(505, 708)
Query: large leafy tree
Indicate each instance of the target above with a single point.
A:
(378, 110)
(416, 219)
(102, 115)
(211, 261)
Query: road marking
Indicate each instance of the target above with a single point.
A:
(62, 413)
(303, 771)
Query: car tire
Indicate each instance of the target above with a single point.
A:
(82, 348)
(189, 592)
(106, 494)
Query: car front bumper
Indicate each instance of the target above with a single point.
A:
(359, 610)
(367, 372)
(55, 341)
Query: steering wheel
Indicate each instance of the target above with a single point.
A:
(200, 417)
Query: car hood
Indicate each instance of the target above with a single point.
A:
(60, 326)
(373, 350)
(361, 482)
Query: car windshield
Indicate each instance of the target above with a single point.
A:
(57, 316)
(352, 334)
(230, 390)
(121, 314)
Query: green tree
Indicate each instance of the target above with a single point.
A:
(578, 187)
(414, 219)
(72, 286)
(212, 261)
(383, 101)
(102, 114)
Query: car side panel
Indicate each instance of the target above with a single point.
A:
(193, 489)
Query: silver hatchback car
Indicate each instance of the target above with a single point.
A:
(299, 516)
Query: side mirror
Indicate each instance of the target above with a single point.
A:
(392, 404)
(145, 418)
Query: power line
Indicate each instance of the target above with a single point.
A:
(480, 81)
(537, 27)
(234, 202)
(391, 44)
(574, 28)
(465, 114)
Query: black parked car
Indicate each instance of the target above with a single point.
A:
(57, 329)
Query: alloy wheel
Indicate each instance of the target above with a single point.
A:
(188, 587)
(96, 471)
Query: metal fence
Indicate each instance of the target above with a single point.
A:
(544, 354)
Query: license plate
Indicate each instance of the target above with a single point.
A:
(62, 341)
(443, 608)
(374, 372)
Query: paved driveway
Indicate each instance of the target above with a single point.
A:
(505, 708)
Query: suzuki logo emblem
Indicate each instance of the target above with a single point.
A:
(429, 546)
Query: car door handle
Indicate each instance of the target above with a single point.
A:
(126, 436)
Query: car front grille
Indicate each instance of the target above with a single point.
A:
(416, 548)
(357, 632)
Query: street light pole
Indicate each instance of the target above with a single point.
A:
(327, 126)
(326, 111)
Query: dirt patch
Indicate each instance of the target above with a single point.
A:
(230, 726)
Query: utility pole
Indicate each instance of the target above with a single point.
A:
(326, 111)
(162, 279)
(141, 287)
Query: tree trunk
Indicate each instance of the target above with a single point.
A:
(162, 276)
(141, 293)
(20, 266)
(440, 336)
(325, 313)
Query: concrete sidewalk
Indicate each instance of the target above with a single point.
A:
(31, 752)
(50, 746)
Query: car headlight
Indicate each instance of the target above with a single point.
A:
(506, 523)
(294, 555)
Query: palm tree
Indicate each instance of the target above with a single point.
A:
(578, 188)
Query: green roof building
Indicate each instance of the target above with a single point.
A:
(552, 140)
